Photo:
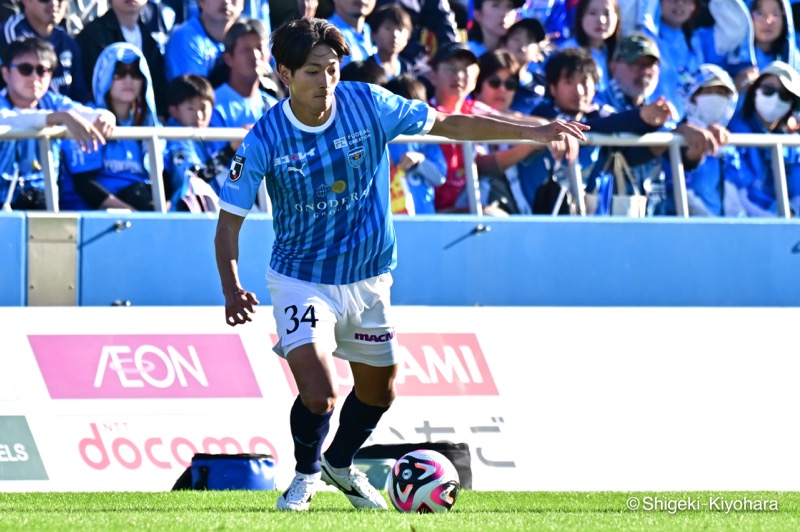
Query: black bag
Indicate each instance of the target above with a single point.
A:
(228, 472)
(138, 195)
(552, 198)
(458, 453)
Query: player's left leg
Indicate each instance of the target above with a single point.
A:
(371, 396)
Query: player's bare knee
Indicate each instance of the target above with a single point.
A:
(320, 403)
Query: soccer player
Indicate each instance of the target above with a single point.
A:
(323, 152)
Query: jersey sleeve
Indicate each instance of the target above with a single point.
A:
(248, 168)
(400, 116)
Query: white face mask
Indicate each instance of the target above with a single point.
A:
(771, 108)
(708, 109)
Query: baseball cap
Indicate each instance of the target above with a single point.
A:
(450, 50)
(788, 76)
(635, 46)
(532, 26)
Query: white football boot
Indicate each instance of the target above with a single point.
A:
(297, 496)
(354, 485)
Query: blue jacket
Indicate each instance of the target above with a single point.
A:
(755, 174)
(120, 163)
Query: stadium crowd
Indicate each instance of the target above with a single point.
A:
(700, 69)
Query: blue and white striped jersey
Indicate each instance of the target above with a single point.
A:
(329, 184)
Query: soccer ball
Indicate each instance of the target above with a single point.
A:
(423, 481)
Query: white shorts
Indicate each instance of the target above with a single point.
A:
(350, 321)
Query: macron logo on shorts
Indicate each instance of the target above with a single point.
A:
(376, 338)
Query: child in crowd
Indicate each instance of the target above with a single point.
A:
(391, 29)
(421, 166)
(527, 41)
(190, 99)
(118, 175)
(597, 29)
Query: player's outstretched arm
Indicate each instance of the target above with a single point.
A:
(480, 128)
(239, 303)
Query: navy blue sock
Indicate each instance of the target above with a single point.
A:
(356, 423)
(308, 432)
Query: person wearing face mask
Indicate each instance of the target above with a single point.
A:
(768, 105)
(710, 99)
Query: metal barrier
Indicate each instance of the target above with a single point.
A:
(672, 141)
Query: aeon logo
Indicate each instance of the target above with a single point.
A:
(150, 365)
(117, 445)
(144, 366)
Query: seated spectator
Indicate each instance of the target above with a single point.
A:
(453, 78)
(491, 21)
(768, 106)
(195, 46)
(241, 100)
(190, 99)
(571, 75)
(391, 29)
(597, 29)
(773, 33)
(350, 17)
(27, 103)
(498, 80)
(40, 19)
(118, 175)
(711, 186)
(123, 23)
(421, 166)
(525, 39)
(434, 26)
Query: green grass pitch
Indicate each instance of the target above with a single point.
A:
(474, 510)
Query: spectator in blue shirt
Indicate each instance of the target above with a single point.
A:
(26, 103)
(391, 29)
(241, 100)
(767, 108)
(350, 17)
(39, 19)
(195, 46)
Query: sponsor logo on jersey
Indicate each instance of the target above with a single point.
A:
(293, 158)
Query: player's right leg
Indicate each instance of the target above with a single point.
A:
(305, 324)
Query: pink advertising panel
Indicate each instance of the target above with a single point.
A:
(430, 364)
(143, 366)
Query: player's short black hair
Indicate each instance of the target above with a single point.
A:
(42, 49)
(293, 41)
(189, 86)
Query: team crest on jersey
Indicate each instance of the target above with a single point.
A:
(356, 156)
(236, 168)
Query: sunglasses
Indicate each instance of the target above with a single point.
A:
(495, 82)
(768, 90)
(26, 69)
(122, 70)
